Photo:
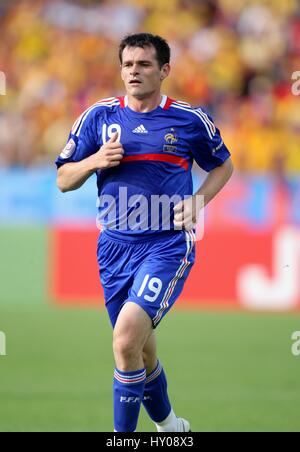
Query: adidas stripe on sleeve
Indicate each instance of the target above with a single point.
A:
(208, 148)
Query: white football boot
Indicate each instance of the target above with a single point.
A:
(173, 424)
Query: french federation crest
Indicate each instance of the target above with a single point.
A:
(171, 139)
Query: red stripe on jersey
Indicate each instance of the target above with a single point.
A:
(122, 101)
(158, 158)
(168, 103)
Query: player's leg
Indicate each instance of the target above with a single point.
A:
(115, 261)
(156, 287)
(131, 332)
(134, 353)
(156, 400)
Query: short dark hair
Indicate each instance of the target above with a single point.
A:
(163, 51)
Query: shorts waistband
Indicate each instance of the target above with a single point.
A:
(137, 239)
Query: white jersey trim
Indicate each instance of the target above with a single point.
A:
(209, 125)
(163, 101)
(110, 102)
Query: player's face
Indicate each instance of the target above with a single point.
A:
(141, 73)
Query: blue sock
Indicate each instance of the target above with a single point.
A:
(128, 394)
(156, 400)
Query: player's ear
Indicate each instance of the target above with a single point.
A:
(122, 77)
(165, 71)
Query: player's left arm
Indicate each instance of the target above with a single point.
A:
(215, 181)
(212, 155)
(187, 212)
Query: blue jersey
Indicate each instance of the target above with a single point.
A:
(159, 149)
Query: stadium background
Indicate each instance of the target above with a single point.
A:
(232, 329)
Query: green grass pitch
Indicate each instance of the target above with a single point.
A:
(226, 371)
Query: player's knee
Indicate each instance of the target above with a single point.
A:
(126, 346)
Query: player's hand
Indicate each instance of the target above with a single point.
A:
(186, 213)
(109, 155)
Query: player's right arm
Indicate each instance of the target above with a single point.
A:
(72, 176)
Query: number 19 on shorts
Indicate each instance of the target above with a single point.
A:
(154, 285)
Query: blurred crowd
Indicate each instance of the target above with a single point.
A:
(236, 57)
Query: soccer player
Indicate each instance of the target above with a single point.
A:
(142, 146)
